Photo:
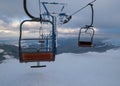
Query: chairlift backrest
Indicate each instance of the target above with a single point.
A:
(85, 37)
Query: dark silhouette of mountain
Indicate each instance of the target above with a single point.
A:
(71, 46)
(8, 50)
(65, 45)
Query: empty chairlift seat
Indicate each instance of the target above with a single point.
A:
(85, 44)
(85, 37)
(31, 51)
(41, 47)
(36, 56)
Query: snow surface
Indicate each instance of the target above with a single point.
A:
(88, 69)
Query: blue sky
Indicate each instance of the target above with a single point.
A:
(107, 16)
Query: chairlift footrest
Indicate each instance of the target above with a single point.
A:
(39, 66)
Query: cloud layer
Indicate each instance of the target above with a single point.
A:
(106, 15)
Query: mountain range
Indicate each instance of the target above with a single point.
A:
(65, 45)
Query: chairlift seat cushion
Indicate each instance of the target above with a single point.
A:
(84, 44)
(37, 56)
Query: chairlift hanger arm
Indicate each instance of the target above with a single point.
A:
(55, 3)
(92, 16)
(91, 5)
(43, 3)
(27, 12)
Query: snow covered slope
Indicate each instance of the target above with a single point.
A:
(88, 69)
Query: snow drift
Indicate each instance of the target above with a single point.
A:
(88, 69)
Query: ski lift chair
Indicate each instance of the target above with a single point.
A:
(85, 37)
(38, 53)
(36, 49)
(86, 34)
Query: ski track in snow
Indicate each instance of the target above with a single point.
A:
(88, 69)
